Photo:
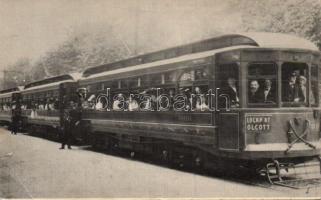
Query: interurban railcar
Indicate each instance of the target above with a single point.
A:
(43, 102)
(250, 100)
(9, 98)
(282, 125)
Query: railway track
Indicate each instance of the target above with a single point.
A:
(302, 177)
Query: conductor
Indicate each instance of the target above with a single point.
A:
(70, 121)
(15, 118)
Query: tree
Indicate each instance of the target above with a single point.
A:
(15, 74)
(297, 17)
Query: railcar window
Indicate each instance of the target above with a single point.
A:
(119, 84)
(186, 80)
(201, 73)
(132, 82)
(200, 98)
(228, 83)
(170, 77)
(294, 84)
(157, 79)
(187, 76)
(137, 82)
(262, 84)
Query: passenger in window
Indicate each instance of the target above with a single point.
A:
(201, 104)
(255, 96)
(200, 74)
(52, 106)
(296, 73)
(187, 93)
(197, 91)
(269, 92)
(41, 107)
(147, 105)
(56, 104)
(118, 104)
(198, 99)
(91, 102)
(88, 103)
(99, 105)
(154, 102)
(171, 93)
(195, 97)
(47, 105)
(171, 96)
(231, 91)
(132, 104)
(302, 89)
(291, 89)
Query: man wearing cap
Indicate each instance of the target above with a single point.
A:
(15, 117)
(290, 91)
(231, 91)
(302, 89)
(71, 120)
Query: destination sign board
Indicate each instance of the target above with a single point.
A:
(258, 123)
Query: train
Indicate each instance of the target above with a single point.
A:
(250, 100)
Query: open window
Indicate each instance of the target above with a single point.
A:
(228, 85)
(262, 84)
(295, 84)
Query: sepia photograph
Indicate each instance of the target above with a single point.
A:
(160, 99)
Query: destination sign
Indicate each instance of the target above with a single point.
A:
(258, 123)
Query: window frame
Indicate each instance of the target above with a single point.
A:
(218, 84)
(262, 77)
(285, 104)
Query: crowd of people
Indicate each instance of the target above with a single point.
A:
(265, 94)
(294, 89)
(148, 100)
(45, 104)
(5, 107)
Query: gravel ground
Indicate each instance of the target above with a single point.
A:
(32, 167)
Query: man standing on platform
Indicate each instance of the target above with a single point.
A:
(15, 118)
(70, 121)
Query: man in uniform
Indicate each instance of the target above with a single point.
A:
(70, 121)
(15, 117)
(231, 91)
(291, 89)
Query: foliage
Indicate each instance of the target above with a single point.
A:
(15, 75)
(96, 46)
(297, 17)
